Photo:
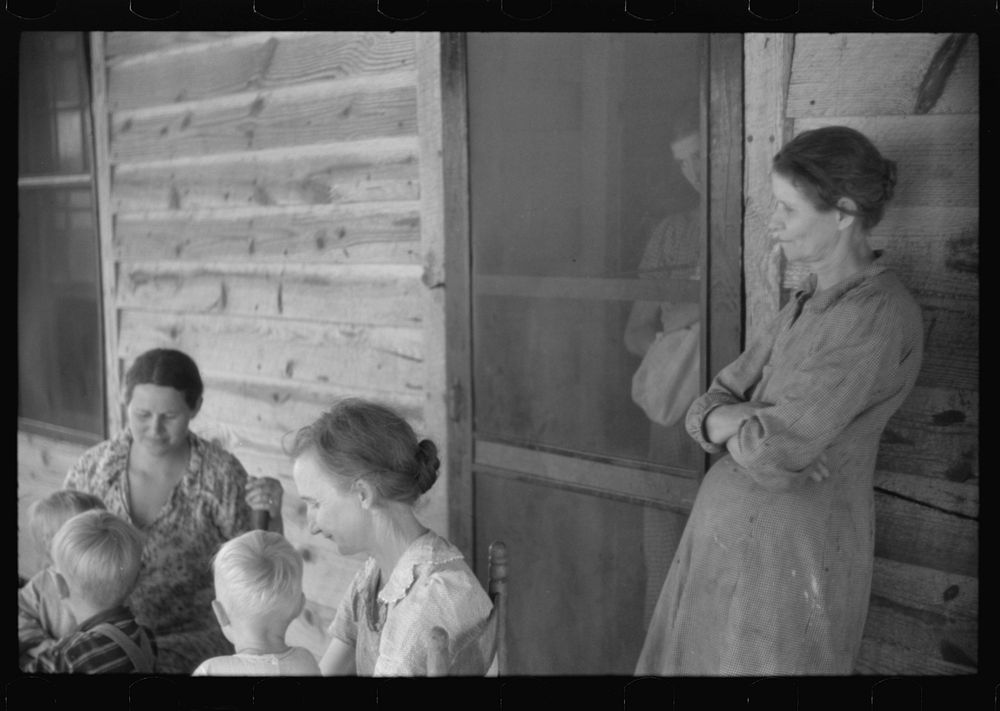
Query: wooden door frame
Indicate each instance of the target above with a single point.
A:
(724, 213)
(458, 305)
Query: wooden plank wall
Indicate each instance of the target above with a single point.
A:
(267, 219)
(923, 617)
(42, 463)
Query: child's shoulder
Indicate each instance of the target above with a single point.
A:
(214, 666)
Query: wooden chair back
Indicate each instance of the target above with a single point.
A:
(498, 595)
(495, 637)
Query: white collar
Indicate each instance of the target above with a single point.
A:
(427, 549)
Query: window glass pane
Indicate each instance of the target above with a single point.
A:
(585, 156)
(70, 141)
(53, 104)
(59, 356)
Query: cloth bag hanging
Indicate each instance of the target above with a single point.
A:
(666, 382)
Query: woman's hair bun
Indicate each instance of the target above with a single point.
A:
(428, 464)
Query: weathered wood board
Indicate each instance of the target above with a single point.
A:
(326, 174)
(42, 464)
(386, 295)
(892, 69)
(121, 45)
(340, 110)
(371, 233)
(253, 61)
(921, 614)
(384, 358)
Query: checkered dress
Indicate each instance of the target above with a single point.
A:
(773, 571)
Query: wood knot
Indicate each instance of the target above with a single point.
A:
(949, 417)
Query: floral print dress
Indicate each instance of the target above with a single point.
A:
(174, 594)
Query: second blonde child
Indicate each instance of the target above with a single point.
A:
(43, 617)
(96, 557)
(258, 593)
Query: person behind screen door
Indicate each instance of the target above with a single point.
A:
(665, 334)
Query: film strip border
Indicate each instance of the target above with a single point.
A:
(610, 15)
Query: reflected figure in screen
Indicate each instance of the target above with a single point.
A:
(666, 335)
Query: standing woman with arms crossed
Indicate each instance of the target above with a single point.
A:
(186, 494)
(773, 571)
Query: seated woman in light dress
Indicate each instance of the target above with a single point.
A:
(360, 468)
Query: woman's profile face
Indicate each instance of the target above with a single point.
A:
(158, 418)
(804, 233)
(331, 511)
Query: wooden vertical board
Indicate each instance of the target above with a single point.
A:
(106, 227)
(458, 294)
(768, 65)
(432, 238)
(725, 177)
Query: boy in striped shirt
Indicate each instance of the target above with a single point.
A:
(96, 558)
(43, 617)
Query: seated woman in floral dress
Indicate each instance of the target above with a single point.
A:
(186, 494)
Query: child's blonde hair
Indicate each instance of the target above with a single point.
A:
(258, 573)
(99, 555)
(47, 515)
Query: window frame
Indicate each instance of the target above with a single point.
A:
(34, 181)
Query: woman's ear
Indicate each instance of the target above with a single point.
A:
(847, 210)
(366, 493)
(197, 407)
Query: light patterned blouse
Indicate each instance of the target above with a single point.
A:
(430, 586)
(207, 508)
(773, 572)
